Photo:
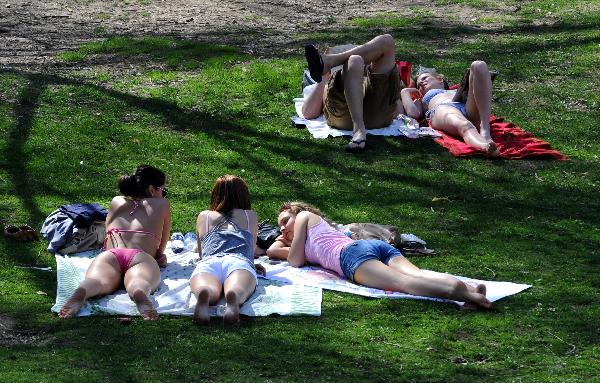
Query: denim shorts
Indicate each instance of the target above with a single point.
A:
(358, 252)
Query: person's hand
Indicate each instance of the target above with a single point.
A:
(161, 260)
(260, 269)
(413, 93)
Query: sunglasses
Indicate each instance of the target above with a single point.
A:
(164, 191)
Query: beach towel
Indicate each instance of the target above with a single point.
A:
(400, 126)
(174, 296)
(318, 277)
(513, 142)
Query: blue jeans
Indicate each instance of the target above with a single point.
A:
(361, 251)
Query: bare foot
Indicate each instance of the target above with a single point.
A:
(232, 310)
(478, 299)
(73, 305)
(144, 305)
(492, 149)
(201, 316)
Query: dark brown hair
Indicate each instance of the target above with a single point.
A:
(228, 193)
(136, 185)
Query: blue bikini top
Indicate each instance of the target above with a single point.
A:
(431, 93)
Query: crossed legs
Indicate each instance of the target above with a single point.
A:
(238, 287)
(379, 53)
(402, 276)
(104, 277)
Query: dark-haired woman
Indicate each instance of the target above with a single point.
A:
(226, 239)
(137, 230)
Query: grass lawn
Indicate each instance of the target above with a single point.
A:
(198, 111)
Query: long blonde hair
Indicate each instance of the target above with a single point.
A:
(296, 207)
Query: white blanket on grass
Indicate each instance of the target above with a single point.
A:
(314, 276)
(174, 297)
(400, 126)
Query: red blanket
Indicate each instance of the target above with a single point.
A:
(513, 143)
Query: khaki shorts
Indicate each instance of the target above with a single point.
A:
(381, 93)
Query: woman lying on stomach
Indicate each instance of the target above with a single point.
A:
(137, 230)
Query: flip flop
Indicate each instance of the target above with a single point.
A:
(315, 62)
(357, 148)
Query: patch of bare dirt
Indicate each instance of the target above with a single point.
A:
(10, 335)
(33, 32)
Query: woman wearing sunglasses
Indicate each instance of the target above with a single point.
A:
(137, 231)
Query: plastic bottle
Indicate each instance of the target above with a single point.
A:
(177, 242)
(190, 242)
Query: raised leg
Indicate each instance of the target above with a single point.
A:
(353, 74)
(141, 279)
(480, 98)
(380, 52)
(238, 287)
(102, 277)
(207, 289)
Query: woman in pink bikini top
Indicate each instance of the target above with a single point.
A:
(138, 226)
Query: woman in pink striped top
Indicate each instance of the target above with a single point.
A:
(371, 263)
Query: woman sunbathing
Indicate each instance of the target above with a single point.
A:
(138, 225)
(371, 263)
(453, 114)
(226, 239)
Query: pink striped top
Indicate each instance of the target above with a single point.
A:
(324, 245)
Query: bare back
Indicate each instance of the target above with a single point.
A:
(151, 215)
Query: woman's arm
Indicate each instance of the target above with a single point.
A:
(412, 104)
(313, 104)
(161, 258)
(296, 257)
(279, 250)
(201, 228)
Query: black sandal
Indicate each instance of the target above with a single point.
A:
(315, 62)
(357, 148)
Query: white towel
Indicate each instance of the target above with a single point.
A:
(174, 296)
(319, 277)
(400, 126)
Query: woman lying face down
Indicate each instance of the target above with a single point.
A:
(307, 237)
(137, 230)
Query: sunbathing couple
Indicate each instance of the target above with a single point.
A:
(366, 93)
(138, 225)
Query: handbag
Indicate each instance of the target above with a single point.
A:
(266, 235)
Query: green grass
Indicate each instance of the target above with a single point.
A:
(199, 111)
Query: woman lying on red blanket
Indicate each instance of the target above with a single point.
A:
(137, 230)
(458, 113)
(307, 237)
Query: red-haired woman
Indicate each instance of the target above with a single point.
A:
(226, 240)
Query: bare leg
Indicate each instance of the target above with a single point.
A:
(238, 287)
(380, 52)
(376, 274)
(207, 289)
(102, 277)
(354, 92)
(141, 279)
(480, 98)
(454, 123)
